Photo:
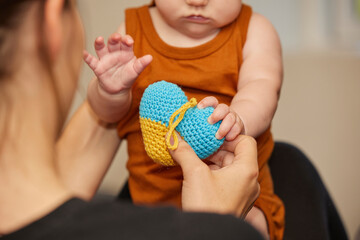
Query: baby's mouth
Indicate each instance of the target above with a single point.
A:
(198, 19)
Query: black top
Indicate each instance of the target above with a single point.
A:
(77, 219)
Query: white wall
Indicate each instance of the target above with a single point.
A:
(319, 109)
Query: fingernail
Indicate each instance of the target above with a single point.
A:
(210, 121)
(200, 106)
(217, 135)
(171, 140)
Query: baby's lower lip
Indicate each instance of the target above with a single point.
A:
(198, 19)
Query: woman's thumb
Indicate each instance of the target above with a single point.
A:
(185, 156)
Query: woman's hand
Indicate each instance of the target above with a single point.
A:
(228, 185)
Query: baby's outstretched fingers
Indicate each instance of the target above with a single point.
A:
(231, 127)
(220, 112)
(126, 43)
(90, 60)
(208, 102)
(141, 63)
(236, 130)
(226, 125)
(114, 42)
(100, 47)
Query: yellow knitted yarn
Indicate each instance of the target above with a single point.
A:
(172, 125)
(154, 135)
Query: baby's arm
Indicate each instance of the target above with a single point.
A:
(255, 103)
(117, 68)
(259, 85)
(260, 77)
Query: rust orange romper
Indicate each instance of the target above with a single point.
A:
(211, 69)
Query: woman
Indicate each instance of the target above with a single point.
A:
(47, 176)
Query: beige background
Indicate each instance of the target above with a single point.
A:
(319, 109)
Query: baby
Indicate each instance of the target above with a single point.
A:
(217, 48)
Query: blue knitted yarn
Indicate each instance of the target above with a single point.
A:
(161, 99)
(198, 133)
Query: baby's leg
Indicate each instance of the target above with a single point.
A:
(257, 219)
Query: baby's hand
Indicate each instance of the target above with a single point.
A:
(231, 125)
(117, 67)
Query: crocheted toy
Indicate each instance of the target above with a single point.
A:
(165, 108)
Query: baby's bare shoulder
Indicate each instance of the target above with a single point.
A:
(258, 22)
(262, 36)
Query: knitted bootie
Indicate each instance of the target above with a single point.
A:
(163, 108)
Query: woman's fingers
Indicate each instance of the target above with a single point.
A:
(185, 156)
(227, 185)
(221, 159)
(242, 148)
(246, 150)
